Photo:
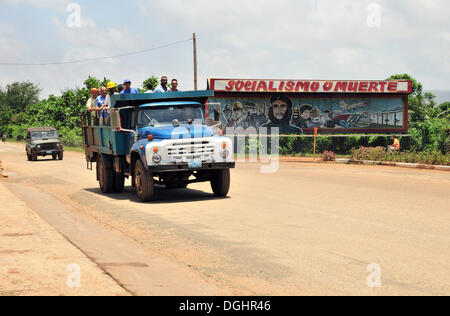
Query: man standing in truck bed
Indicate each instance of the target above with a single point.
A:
(161, 88)
(127, 88)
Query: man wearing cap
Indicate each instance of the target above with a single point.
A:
(90, 105)
(238, 118)
(111, 91)
(280, 115)
(162, 87)
(100, 103)
(127, 89)
(111, 86)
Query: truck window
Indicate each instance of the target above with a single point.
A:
(161, 116)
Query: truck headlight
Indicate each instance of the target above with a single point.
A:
(157, 158)
(38, 146)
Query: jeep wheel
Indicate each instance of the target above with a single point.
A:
(34, 157)
(105, 176)
(220, 182)
(144, 183)
(60, 155)
(54, 156)
(29, 157)
(119, 182)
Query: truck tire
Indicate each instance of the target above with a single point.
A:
(105, 176)
(119, 182)
(54, 156)
(60, 155)
(34, 157)
(144, 182)
(29, 157)
(220, 182)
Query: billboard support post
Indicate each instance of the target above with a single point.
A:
(316, 130)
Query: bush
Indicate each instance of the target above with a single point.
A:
(328, 156)
(18, 132)
(71, 137)
(369, 153)
(379, 154)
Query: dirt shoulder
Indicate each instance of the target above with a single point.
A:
(36, 260)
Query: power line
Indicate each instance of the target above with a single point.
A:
(98, 58)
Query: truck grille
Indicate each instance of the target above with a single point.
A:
(191, 151)
(48, 146)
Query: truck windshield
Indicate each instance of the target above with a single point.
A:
(161, 116)
(44, 135)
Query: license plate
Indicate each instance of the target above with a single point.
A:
(195, 164)
(49, 152)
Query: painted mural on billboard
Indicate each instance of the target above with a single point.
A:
(297, 115)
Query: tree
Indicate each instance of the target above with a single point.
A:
(428, 122)
(19, 94)
(153, 80)
(91, 83)
(444, 109)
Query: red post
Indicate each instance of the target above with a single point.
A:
(316, 130)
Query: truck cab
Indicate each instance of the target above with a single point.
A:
(158, 139)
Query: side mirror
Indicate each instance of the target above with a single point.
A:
(115, 120)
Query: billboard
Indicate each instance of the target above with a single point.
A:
(301, 112)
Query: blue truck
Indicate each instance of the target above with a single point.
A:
(157, 139)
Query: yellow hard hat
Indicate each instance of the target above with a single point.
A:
(111, 85)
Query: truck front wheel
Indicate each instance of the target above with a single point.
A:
(105, 176)
(144, 182)
(220, 182)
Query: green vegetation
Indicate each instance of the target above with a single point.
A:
(379, 154)
(20, 108)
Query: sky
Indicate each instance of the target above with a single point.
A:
(284, 39)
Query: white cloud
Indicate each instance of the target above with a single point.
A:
(285, 39)
(322, 38)
(59, 5)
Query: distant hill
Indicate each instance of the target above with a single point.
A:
(441, 95)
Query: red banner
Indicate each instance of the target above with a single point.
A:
(310, 86)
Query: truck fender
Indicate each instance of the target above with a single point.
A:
(135, 156)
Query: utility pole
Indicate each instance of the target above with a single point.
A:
(194, 38)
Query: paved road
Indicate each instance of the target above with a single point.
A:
(307, 229)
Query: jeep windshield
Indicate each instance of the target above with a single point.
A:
(44, 135)
(165, 115)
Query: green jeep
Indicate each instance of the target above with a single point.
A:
(43, 141)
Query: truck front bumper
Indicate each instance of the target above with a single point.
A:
(185, 167)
